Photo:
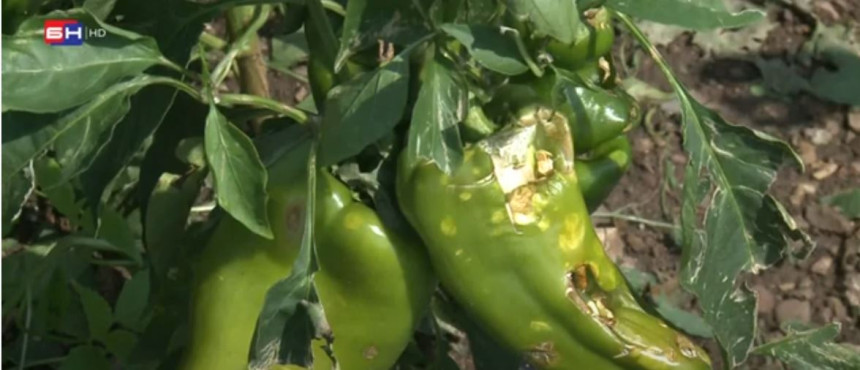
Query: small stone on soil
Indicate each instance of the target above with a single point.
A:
(766, 300)
(825, 170)
(787, 286)
(818, 136)
(822, 266)
(840, 313)
(807, 152)
(854, 120)
(793, 310)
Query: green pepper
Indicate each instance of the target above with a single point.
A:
(596, 114)
(373, 282)
(235, 270)
(509, 237)
(593, 40)
(601, 169)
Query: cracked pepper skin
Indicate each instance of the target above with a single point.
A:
(510, 238)
(374, 281)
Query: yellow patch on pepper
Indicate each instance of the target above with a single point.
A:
(448, 226)
(572, 233)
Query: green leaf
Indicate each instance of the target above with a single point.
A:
(471, 11)
(288, 302)
(839, 82)
(364, 110)
(115, 230)
(86, 358)
(240, 177)
(15, 190)
(49, 175)
(558, 19)
(695, 15)
(441, 105)
(186, 118)
(76, 134)
(31, 268)
(126, 138)
(489, 46)
(812, 349)
(847, 201)
(120, 343)
(367, 22)
(99, 8)
(42, 78)
(176, 26)
(132, 301)
(288, 50)
(689, 322)
(743, 229)
(97, 310)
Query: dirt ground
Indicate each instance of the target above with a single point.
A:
(825, 287)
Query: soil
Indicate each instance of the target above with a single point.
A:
(821, 289)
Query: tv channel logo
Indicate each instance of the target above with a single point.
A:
(69, 32)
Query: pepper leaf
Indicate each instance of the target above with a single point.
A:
(76, 134)
(812, 349)
(240, 177)
(366, 22)
(699, 15)
(42, 78)
(743, 228)
(16, 187)
(86, 358)
(97, 310)
(489, 46)
(441, 105)
(132, 301)
(176, 26)
(558, 19)
(289, 305)
(364, 110)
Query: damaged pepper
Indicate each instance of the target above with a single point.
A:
(510, 239)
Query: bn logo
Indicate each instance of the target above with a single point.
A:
(69, 32)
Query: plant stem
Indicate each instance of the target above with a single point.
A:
(252, 67)
(644, 221)
(212, 41)
(524, 51)
(272, 105)
(28, 316)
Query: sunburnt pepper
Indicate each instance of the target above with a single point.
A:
(510, 239)
(598, 170)
(373, 281)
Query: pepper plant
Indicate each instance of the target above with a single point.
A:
(432, 188)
